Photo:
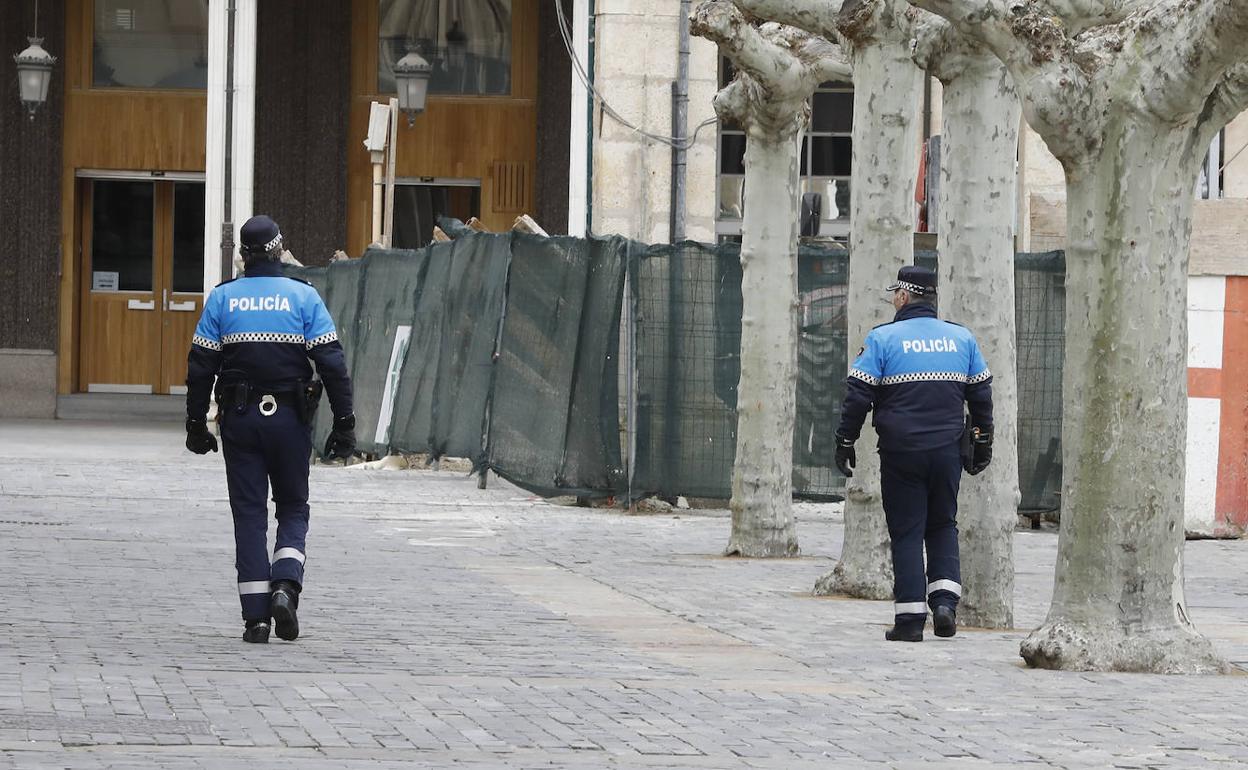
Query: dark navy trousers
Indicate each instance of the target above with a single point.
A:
(260, 451)
(920, 496)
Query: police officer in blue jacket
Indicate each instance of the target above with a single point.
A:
(255, 338)
(915, 374)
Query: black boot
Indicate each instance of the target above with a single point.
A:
(283, 605)
(256, 632)
(904, 631)
(945, 621)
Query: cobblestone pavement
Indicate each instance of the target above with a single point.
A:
(445, 626)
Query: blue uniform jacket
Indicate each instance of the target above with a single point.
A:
(265, 327)
(915, 373)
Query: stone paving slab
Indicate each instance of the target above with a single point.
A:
(446, 626)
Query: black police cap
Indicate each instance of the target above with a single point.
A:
(259, 235)
(916, 280)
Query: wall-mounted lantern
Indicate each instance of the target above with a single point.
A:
(34, 74)
(411, 74)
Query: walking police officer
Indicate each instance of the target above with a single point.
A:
(255, 337)
(915, 373)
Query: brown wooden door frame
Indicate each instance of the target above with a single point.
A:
(177, 325)
(162, 245)
(85, 192)
(105, 328)
(165, 359)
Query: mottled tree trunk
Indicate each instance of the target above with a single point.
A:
(1127, 95)
(1118, 600)
(778, 68)
(887, 88)
(979, 146)
(762, 484)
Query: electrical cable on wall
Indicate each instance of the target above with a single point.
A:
(677, 142)
(1233, 157)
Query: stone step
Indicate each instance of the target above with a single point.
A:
(121, 406)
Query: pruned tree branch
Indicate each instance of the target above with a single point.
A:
(1033, 45)
(1195, 43)
(1052, 74)
(1231, 96)
(1227, 100)
(773, 65)
(778, 66)
(862, 22)
(938, 49)
(815, 16)
(825, 59)
(1079, 15)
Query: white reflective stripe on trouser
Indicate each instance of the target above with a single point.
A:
(944, 585)
(253, 587)
(289, 553)
(910, 608)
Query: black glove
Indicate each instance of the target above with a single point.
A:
(846, 457)
(198, 439)
(341, 442)
(981, 451)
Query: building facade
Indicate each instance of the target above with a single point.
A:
(162, 113)
(114, 194)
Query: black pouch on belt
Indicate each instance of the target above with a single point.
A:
(967, 448)
(308, 399)
(232, 392)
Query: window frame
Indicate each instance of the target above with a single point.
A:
(514, 34)
(92, 6)
(727, 227)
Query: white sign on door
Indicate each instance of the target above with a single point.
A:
(102, 280)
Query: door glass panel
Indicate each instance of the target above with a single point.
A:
(831, 155)
(188, 236)
(732, 153)
(832, 112)
(150, 44)
(122, 215)
(468, 43)
(731, 197)
(418, 206)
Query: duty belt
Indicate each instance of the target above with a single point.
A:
(238, 395)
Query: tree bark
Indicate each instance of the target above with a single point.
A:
(887, 88)
(762, 476)
(1118, 602)
(980, 120)
(779, 67)
(1128, 107)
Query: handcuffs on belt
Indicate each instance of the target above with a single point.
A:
(268, 405)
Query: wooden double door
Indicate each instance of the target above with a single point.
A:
(142, 246)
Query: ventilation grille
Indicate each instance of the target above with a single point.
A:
(511, 186)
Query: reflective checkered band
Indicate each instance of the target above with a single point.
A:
(983, 376)
(321, 340)
(273, 244)
(898, 379)
(952, 586)
(231, 339)
(204, 342)
(858, 374)
(913, 288)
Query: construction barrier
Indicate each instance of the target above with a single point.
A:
(604, 367)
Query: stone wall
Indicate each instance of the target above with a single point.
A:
(30, 185)
(303, 66)
(635, 55)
